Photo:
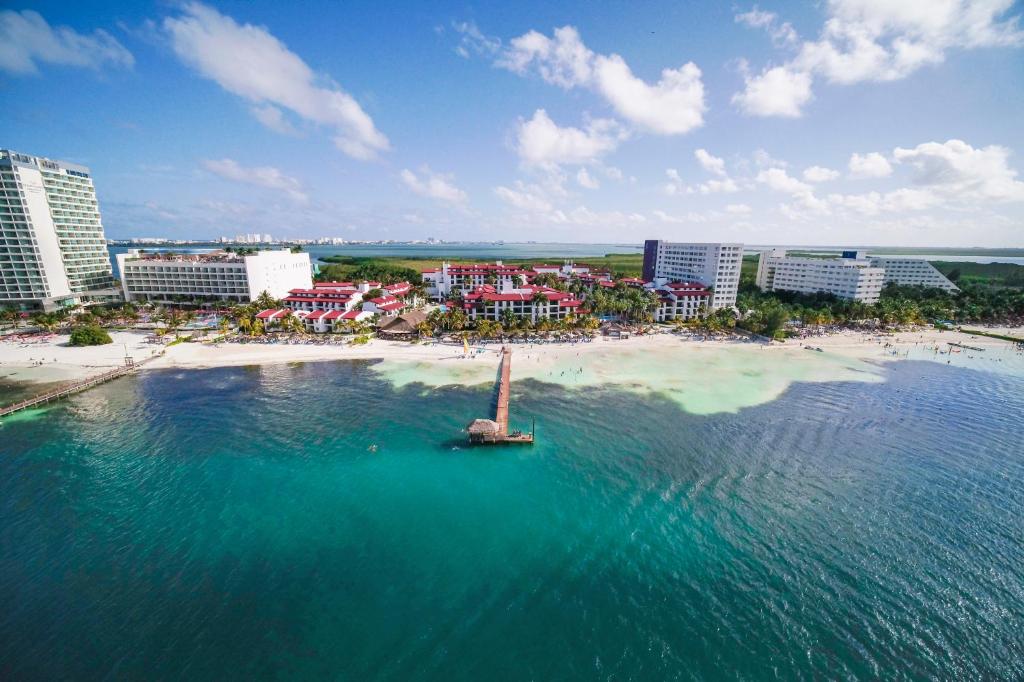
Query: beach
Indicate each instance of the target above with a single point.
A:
(734, 372)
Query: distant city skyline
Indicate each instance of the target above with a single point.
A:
(777, 123)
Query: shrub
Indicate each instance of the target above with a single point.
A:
(90, 335)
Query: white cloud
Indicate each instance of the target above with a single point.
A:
(738, 209)
(261, 176)
(540, 142)
(433, 186)
(27, 40)
(248, 61)
(672, 106)
(712, 164)
(583, 216)
(473, 41)
(819, 174)
(872, 165)
(524, 198)
(780, 181)
(586, 181)
(613, 173)
(875, 40)
(781, 34)
(778, 91)
(765, 160)
(959, 169)
(273, 118)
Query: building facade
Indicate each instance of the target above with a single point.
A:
(533, 302)
(913, 272)
(716, 266)
(212, 276)
(53, 253)
(851, 276)
(680, 300)
(451, 279)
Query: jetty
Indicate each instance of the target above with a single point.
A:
(64, 391)
(495, 431)
(964, 345)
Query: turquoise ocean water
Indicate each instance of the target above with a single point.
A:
(236, 523)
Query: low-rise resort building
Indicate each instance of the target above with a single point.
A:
(217, 275)
(532, 302)
(332, 306)
(449, 279)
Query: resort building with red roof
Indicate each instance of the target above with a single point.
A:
(451, 279)
(534, 302)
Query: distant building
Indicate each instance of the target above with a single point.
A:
(851, 276)
(912, 272)
(53, 253)
(716, 266)
(212, 276)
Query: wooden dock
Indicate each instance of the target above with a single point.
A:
(487, 432)
(64, 391)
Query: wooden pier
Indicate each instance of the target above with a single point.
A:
(64, 391)
(488, 432)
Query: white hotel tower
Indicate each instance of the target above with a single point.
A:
(52, 250)
(714, 265)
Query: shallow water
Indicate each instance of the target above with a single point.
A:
(234, 523)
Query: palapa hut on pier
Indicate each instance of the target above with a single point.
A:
(484, 431)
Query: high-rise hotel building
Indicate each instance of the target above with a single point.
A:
(52, 250)
(716, 266)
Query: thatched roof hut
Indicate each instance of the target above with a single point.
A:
(483, 429)
(401, 325)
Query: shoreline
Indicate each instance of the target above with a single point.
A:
(60, 362)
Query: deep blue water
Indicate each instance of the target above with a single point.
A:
(235, 524)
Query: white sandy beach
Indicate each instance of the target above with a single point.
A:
(702, 376)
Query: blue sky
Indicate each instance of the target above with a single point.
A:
(847, 121)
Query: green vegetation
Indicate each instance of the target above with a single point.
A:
(383, 270)
(1000, 274)
(378, 268)
(90, 335)
(1002, 337)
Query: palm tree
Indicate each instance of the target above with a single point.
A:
(245, 324)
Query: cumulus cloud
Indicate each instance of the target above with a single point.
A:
(248, 61)
(27, 40)
(712, 164)
(672, 106)
(872, 165)
(867, 40)
(260, 176)
(779, 91)
(541, 142)
(819, 174)
(959, 169)
(433, 185)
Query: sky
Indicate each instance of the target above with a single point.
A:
(862, 122)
